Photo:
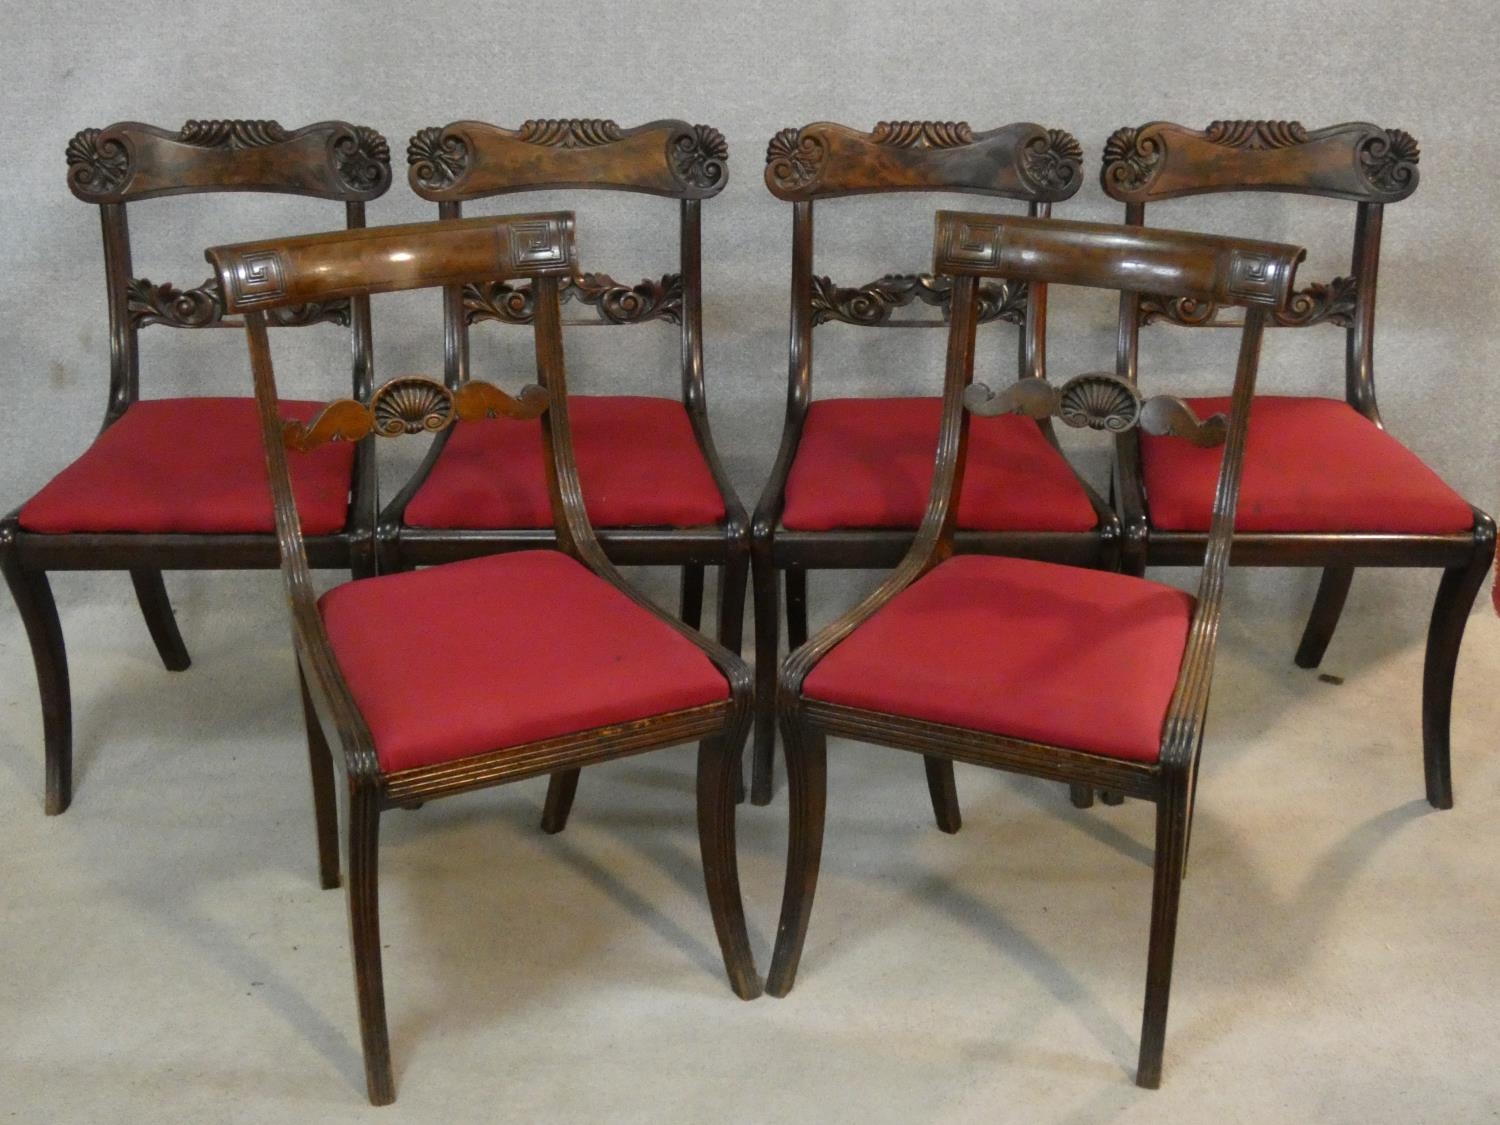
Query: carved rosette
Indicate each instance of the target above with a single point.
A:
(97, 166)
(794, 158)
(1052, 161)
(923, 134)
(698, 156)
(1388, 161)
(1256, 134)
(1130, 160)
(438, 158)
(871, 304)
(571, 132)
(362, 159)
(233, 134)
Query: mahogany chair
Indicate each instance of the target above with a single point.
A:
(1325, 484)
(849, 481)
(1093, 678)
(179, 483)
(665, 501)
(516, 664)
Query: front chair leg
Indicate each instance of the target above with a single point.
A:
(944, 792)
(807, 795)
(561, 787)
(33, 596)
(1450, 613)
(734, 575)
(1327, 606)
(719, 773)
(767, 636)
(156, 608)
(364, 932)
(1172, 812)
(690, 606)
(325, 802)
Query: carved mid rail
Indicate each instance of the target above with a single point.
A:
(412, 404)
(1097, 400)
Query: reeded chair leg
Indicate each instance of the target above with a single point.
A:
(796, 607)
(1171, 858)
(1327, 606)
(1450, 614)
(156, 608)
(33, 597)
(561, 788)
(719, 772)
(944, 792)
(767, 637)
(325, 800)
(807, 797)
(364, 932)
(690, 603)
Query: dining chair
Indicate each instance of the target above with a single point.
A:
(851, 475)
(1326, 484)
(481, 671)
(178, 483)
(1079, 675)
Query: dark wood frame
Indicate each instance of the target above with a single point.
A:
(259, 277)
(1369, 166)
(112, 167)
(1256, 275)
(471, 160)
(1022, 161)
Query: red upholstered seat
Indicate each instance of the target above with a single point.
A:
(1311, 464)
(190, 465)
(867, 462)
(474, 656)
(1077, 658)
(638, 462)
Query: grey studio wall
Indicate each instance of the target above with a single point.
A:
(750, 69)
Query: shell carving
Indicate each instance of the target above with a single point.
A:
(923, 134)
(411, 405)
(1256, 134)
(794, 158)
(1099, 402)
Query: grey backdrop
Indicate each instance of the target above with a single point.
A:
(750, 70)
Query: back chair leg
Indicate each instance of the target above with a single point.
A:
(690, 607)
(1327, 607)
(807, 795)
(1082, 796)
(33, 596)
(1450, 614)
(325, 800)
(944, 792)
(796, 607)
(364, 932)
(1171, 856)
(734, 575)
(156, 608)
(562, 786)
(719, 772)
(767, 636)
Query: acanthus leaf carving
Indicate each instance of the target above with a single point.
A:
(1319, 303)
(1388, 161)
(794, 158)
(1130, 160)
(97, 167)
(362, 158)
(438, 158)
(698, 156)
(203, 307)
(570, 132)
(231, 133)
(1256, 134)
(923, 134)
(614, 302)
(871, 303)
(1053, 160)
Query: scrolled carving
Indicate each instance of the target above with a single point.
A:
(438, 159)
(794, 158)
(1388, 161)
(1099, 402)
(1256, 134)
(203, 307)
(1191, 312)
(923, 134)
(498, 300)
(96, 167)
(698, 156)
(1318, 303)
(362, 158)
(1130, 160)
(344, 420)
(571, 132)
(1052, 161)
(477, 399)
(1032, 398)
(411, 404)
(871, 303)
(232, 134)
(1168, 416)
(615, 303)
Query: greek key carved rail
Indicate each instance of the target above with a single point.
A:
(1097, 400)
(872, 303)
(412, 404)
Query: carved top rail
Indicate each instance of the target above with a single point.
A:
(1227, 271)
(128, 160)
(322, 267)
(411, 404)
(872, 303)
(1098, 400)
(473, 159)
(1357, 160)
(1021, 161)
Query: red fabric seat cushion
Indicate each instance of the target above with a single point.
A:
(1311, 464)
(638, 462)
(185, 465)
(868, 462)
(474, 656)
(1082, 659)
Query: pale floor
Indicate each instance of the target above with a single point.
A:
(168, 957)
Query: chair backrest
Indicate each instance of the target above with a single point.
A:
(257, 278)
(128, 161)
(470, 160)
(1022, 161)
(1357, 161)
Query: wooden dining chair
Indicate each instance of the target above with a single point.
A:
(487, 670)
(179, 483)
(850, 478)
(1083, 676)
(656, 489)
(1325, 484)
